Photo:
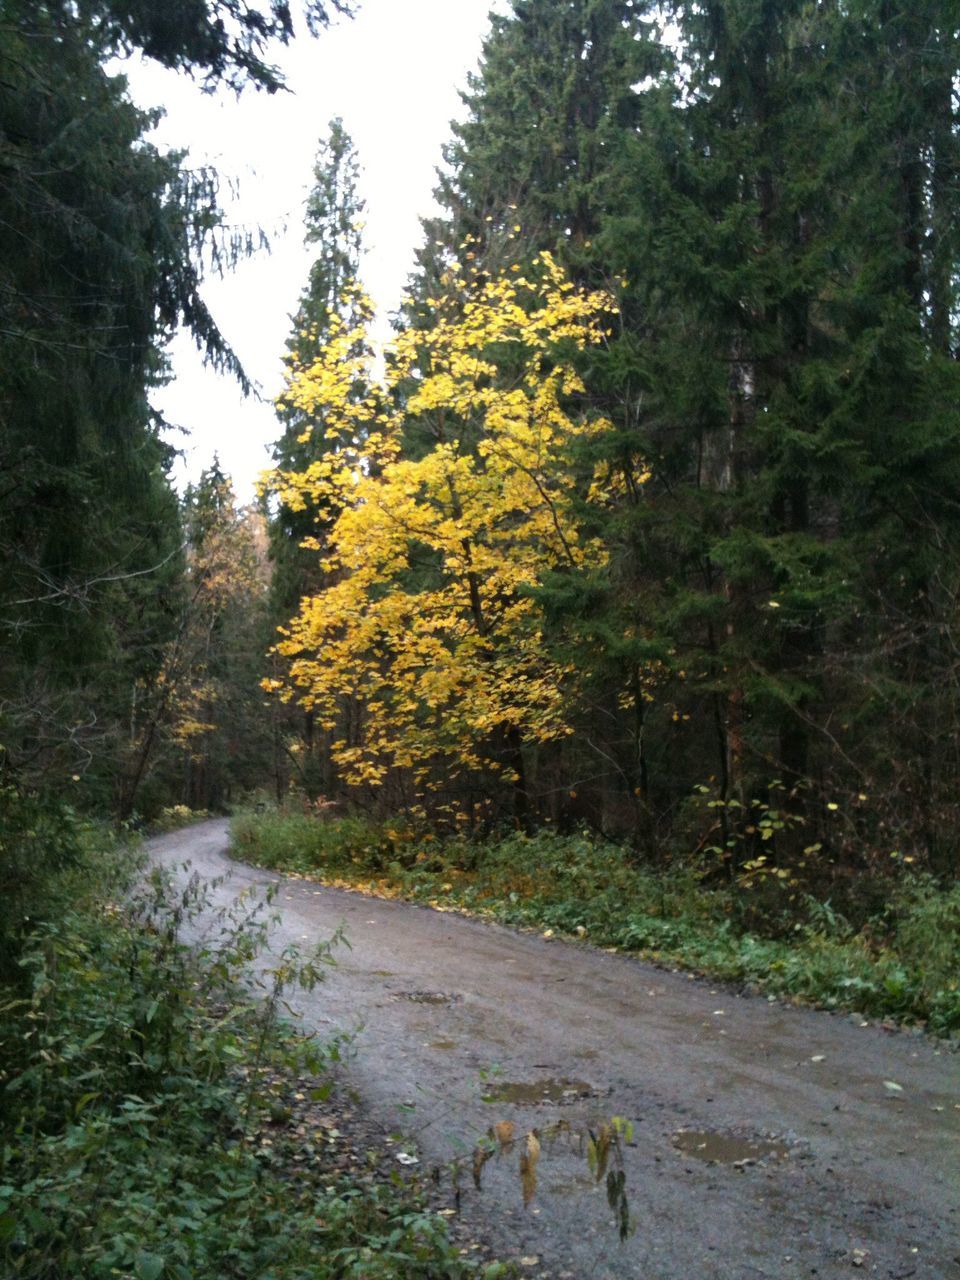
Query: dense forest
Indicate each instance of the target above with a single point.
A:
(652, 527)
(619, 598)
(718, 614)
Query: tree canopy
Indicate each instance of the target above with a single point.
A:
(427, 617)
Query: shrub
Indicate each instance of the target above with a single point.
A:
(41, 838)
(131, 1119)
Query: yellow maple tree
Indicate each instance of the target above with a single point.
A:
(448, 493)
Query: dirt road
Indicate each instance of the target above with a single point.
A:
(465, 1024)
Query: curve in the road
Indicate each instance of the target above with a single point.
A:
(453, 1010)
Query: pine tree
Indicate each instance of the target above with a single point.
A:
(808, 412)
(221, 41)
(530, 168)
(330, 304)
(95, 268)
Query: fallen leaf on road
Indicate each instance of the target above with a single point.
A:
(528, 1167)
(503, 1131)
(893, 1086)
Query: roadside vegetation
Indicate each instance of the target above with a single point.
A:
(891, 953)
(144, 1130)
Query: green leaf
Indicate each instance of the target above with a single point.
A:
(149, 1266)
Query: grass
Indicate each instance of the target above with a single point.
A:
(903, 964)
(138, 1106)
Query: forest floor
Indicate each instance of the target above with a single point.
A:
(757, 1139)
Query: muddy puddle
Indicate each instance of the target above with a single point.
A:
(579, 1186)
(717, 1147)
(428, 997)
(534, 1093)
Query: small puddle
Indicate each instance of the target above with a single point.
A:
(535, 1092)
(575, 1187)
(428, 997)
(728, 1148)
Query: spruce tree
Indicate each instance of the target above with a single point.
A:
(530, 169)
(776, 192)
(100, 263)
(334, 229)
(331, 300)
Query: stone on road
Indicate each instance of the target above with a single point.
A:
(768, 1140)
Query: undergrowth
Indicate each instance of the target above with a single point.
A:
(902, 963)
(135, 1096)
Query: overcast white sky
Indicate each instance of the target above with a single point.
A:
(392, 73)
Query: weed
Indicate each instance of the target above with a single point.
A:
(136, 1096)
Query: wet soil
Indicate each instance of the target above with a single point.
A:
(729, 1148)
(533, 1093)
(834, 1170)
(429, 997)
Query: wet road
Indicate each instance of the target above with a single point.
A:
(836, 1145)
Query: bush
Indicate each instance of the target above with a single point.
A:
(299, 841)
(41, 838)
(132, 1117)
(175, 816)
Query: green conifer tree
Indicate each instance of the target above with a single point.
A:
(100, 262)
(334, 229)
(776, 189)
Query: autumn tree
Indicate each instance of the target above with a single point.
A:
(428, 620)
(198, 732)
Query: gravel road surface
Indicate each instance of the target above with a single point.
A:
(768, 1141)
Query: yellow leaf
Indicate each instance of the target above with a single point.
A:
(503, 1132)
(529, 1159)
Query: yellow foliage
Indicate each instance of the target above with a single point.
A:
(427, 620)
